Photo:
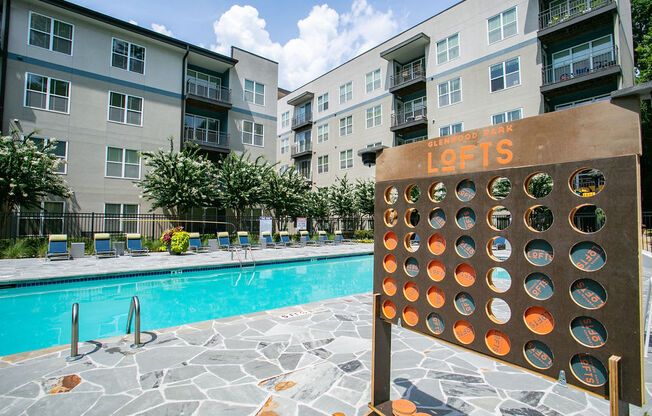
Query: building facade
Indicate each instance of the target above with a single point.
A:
(475, 64)
(108, 90)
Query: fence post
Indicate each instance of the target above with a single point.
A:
(152, 226)
(92, 223)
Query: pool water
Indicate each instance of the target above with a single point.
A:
(38, 317)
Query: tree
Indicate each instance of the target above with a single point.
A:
(27, 172)
(341, 198)
(364, 197)
(178, 181)
(284, 193)
(317, 203)
(539, 185)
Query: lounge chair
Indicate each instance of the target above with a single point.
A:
(196, 245)
(243, 240)
(285, 240)
(323, 238)
(135, 247)
(309, 242)
(267, 236)
(340, 238)
(58, 247)
(223, 241)
(102, 246)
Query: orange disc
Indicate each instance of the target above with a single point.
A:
(464, 332)
(436, 297)
(498, 342)
(410, 315)
(411, 291)
(390, 263)
(465, 275)
(389, 309)
(390, 240)
(539, 320)
(436, 270)
(389, 286)
(437, 244)
(404, 406)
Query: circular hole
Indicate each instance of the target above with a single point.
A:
(412, 193)
(499, 218)
(411, 291)
(538, 218)
(391, 217)
(435, 324)
(436, 270)
(412, 217)
(389, 262)
(436, 297)
(437, 192)
(538, 185)
(411, 267)
(411, 242)
(587, 182)
(588, 218)
(588, 370)
(391, 195)
(465, 190)
(538, 354)
(499, 248)
(588, 294)
(437, 218)
(410, 316)
(465, 275)
(436, 244)
(539, 286)
(588, 256)
(538, 252)
(464, 332)
(499, 188)
(389, 309)
(389, 286)
(498, 342)
(499, 280)
(465, 218)
(539, 320)
(464, 303)
(498, 311)
(588, 332)
(390, 240)
(465, 247)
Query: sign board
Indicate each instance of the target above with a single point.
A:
(302, 223)
(265, 225)
(520, 242)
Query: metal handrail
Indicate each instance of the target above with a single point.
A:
(558, 14)
(210, 92)
(575, 68)
(302, 146)
(74, 335)
(402, 117)
(407, 75)
(134, 308)
(206, 137)
(302, 118)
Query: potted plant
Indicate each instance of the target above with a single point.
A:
(176, 240)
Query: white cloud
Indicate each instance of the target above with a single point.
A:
(161, 29)
(133, 22)
(326, 38)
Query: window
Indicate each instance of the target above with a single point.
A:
(507, 116)
(285, 119)
(119, 218)
(372, 80)
(122, 163)
(48, 218)
(203, 129)
(581, 59)
(252, 133)
(205, 85)
(304, 168)
(346, 159)
(409, 71)
(412, 140)
(374, 116)
(502, 25)
(49, 33)
(303, 141)
(47, 93)
(254, 92)
(505, 75)
(285, 145)
(322, 164)
(125, 109)
(450, 129)
(60, 150)
(283, 168)
(582, 102)
(346, 125)
(448, 49)
(375, 144)
(346, 92)
(450, 92)
(128, 56)
(322, 133)
(322, 102)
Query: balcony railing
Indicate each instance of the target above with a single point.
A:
(302, 118)
(212, 93)
(302, 147)
(580, 66)
(407, 75)
(206, 137)
(403, 117)
(564, 12)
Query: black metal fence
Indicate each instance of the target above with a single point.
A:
(647, 231)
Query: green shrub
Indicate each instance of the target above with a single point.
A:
(17, 250)
(363, 235)
(154, 245)
(180, 242)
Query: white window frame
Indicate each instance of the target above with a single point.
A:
(346, 159)
(244, 92)
(47, 93)
(122, 216)
(206, 129)
(414, 139)
(450, 128)
(448, 48)
(376, 119)
(322, 133)
(348, 128)
(450, 92)
(375, 83)
(123, 163)
(51, 33)
(322, 164)
(47, 140)
(504, 75)
(348, 92)
(502, 25)
(285, 145)
(40, 217)
(126, 110)
(323, 105)
(285, 119)
(506, 115)
(129, 58)
(253, 134)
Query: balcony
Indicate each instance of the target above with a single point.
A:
(581, 72)
(208, 97)
(408, 81)
(303, 148)
(209, 140)
(409, 121)
(302, 120)
(566, 20)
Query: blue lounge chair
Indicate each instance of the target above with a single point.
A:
(58, 247)
(285, 240)
(196, 245)
(323, 238)
(267, 236)
(102, 245)
(135, 247)
(340, 238)
(224, 241)
(309, 242)
(243, 240)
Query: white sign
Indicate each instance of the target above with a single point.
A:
(302, 223)
(265, 225)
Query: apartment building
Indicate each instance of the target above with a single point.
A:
(108, 90)
(475, 64)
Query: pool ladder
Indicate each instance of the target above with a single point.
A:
(245, 249)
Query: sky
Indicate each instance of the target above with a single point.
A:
(306, 38)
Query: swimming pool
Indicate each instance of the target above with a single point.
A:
(38, 317)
